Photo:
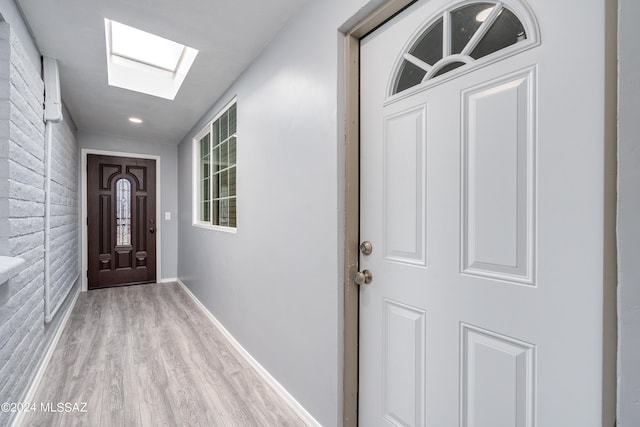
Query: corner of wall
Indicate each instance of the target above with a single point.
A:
(5, 47)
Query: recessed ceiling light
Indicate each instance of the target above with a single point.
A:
(144, 62)
(135, 120)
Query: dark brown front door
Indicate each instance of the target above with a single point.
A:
(121, 207)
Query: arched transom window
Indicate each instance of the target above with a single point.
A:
(460, 36)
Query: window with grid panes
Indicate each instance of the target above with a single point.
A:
(216, 149)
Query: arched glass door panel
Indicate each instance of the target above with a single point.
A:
(123, 212)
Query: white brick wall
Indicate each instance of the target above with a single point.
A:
(24, 336)
(64, 212)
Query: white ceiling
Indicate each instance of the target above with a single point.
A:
(228, 34)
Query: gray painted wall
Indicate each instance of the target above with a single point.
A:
(276, 284)
(628, 213)
(24, 336)
(168, 192)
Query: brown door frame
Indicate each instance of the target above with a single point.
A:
(352, 199)
(83, 217)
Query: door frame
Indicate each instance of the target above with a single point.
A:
(351, 293)
(83, 220)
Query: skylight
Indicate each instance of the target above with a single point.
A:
(144, 47)
(144, 62)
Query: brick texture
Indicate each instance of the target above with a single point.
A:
(24, 336)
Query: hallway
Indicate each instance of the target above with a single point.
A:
(148, 356)
(360, 212)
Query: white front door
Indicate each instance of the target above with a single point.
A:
(482, 197)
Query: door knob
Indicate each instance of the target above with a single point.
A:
(366, 247)
(152, 230)
(363, 277)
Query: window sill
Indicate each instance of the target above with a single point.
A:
(215, 227)
(9, 267)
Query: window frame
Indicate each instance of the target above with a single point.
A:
(196, 178)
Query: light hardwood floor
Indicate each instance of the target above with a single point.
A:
(147, 356)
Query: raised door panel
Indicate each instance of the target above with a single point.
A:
(404, 187)
(497, 380)
(498, 179)
(404, 364)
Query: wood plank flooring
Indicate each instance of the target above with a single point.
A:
(147, 356)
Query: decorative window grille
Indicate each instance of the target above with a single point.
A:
(123, 212)
(461, 36)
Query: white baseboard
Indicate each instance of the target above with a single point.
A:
(33, 388)
(266, 376)
(168, 280)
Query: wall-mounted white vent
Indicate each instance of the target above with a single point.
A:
(52, 99)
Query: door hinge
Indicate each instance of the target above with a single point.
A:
(87, 274)
(87, 220)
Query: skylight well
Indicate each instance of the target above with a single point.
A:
(144, 62)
